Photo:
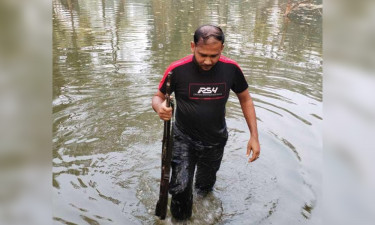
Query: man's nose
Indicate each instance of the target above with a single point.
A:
(207, 61)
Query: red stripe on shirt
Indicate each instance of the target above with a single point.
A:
(173, 65)
(228, 60)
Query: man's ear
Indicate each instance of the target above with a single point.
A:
(222, 47)
(192, 46)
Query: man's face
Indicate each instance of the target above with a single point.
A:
(207, 53)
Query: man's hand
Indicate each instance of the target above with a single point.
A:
(159, 104)
(164, 112)
(253, 146)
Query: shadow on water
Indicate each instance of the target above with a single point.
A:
(108, 58)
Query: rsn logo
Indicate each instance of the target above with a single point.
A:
(207, 90)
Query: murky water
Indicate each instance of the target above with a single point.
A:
(108, 58)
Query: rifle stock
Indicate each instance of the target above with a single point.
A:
(161, 206)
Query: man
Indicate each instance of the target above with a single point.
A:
(201, 83)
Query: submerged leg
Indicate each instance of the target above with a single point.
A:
(183, 167)
(207, 166)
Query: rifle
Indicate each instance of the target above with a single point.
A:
(161, 206)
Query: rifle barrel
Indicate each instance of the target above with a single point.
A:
(161, 206)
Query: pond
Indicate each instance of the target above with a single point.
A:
(108, 59)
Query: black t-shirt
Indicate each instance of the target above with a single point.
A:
(201, 96)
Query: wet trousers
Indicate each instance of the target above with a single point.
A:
(189, 154)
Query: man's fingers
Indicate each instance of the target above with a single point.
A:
(254, 157)
(164, 108)
(165, 113)
(253, 147)
(165, 116)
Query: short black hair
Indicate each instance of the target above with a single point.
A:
(207, 31)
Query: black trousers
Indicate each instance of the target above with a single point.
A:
(189, 154)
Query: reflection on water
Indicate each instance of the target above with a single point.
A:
(108, 58)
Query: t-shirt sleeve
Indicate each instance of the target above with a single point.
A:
(162, 85)
(163, 82)
(239, 81)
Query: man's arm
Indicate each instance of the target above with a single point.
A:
(249, 114)
(160, 107)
